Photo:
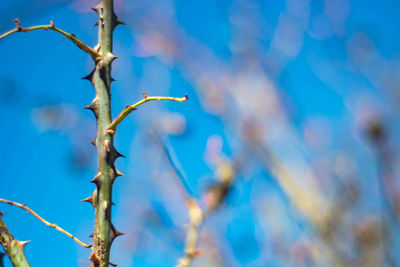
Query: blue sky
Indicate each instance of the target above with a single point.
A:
(308, 75)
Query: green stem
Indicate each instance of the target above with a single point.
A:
(104, 232)
(128, 109)
(13, 247)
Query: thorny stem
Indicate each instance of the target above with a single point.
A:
(111, 129)
(104, 231)
(95, 55)
(13, 247)
(52, 225)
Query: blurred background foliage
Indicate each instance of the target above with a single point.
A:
(297, 100)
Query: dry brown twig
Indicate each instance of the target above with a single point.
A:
(52, 225)
(95, 55)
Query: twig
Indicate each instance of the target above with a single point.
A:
(192, 233)
(95, 55)
(214, 198)
(52, 225)
(111, 129)
(196, 215)
(173, 163)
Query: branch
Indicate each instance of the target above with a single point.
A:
(13, 247)
(95, 55)
(192, 233)
(196, 215)
(173, 163)
(214, 198)
(111, 129)
(52, 225)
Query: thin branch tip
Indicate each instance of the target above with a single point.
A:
(52, 225)
(83, 46)
(112, 128)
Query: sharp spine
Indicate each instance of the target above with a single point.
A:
(96, 180)
(89, 77)
(94, 107)
(91, 199)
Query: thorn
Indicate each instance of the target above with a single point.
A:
(2, 214)
(186, 97)
(112, 264)
(18, 25)
(145, 95)
(97, 8)
(118, 21)
(51, 23)
(89, 77)
(93, 142)
(91, 199)
(22, 244)
(110, 57)
(91, 235)
(96, 180)
(118, 173)
(94, 107)
(115, 233)
(96, 24)
(118, 155)
(112, 203)
(97, 47)
(112, 79)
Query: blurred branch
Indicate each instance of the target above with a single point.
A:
(192, 233)
(52, 225)
(13, 247)
(128, 109)
(215, 196)
(169, 154)
(95, 55)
